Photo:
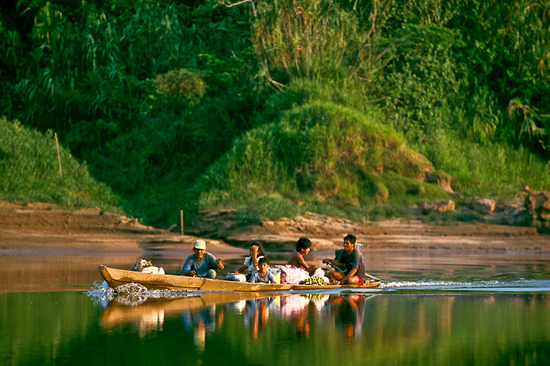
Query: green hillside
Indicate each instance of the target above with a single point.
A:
(275, 107)
(32, 170)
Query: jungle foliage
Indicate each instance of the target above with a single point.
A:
(283, 106)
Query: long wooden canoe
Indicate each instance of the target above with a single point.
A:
(116, 277)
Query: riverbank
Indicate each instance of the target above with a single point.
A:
(44, 227)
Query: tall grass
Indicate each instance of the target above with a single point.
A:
(491, 169)
(88, 71)
(307, 38)
(29, 171)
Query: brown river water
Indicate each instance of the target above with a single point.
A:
(435, 307)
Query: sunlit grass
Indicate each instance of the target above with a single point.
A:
(30, 171)
(492, 169)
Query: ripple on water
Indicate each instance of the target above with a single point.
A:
(135, 294)
(493, 286)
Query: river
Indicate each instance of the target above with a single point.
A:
(435, 307)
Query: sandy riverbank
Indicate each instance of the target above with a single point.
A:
(42, 227)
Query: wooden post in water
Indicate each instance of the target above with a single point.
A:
(181, 222)
(58, 156)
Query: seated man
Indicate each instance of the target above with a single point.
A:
(352, 259)
(202, 263)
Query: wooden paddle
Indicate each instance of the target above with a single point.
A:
(374, 278)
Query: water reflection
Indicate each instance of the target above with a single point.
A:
(296, 310)
(201, 322)
(406, 322)
(272, 329)
(256, 315)
(203, 314)
(350, 314)
(199, 311)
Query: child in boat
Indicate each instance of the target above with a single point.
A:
(257, 252)
(352, 259)
(303, 247)
(262, 275)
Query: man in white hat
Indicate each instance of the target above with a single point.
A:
(202, 263)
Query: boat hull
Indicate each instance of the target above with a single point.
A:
(117, 277)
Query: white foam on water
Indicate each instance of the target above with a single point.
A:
(101, 293)
(135, 294)
(497, 286)
(430, 284)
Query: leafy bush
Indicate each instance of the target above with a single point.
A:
(182, 87)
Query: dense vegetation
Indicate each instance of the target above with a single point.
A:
(277, 107)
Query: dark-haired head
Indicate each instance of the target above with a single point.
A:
(261, 250)
(351, 238)
(303, 243)
(263, 260)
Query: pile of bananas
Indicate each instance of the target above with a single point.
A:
(314, 281)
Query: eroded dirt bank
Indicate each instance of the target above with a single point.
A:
(49, 228)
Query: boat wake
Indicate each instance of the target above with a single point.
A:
(135, 294)
(101, 293)
(429, 284)
(489, 286)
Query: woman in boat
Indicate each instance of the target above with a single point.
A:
(257, 252)
(303, 247)
(352, 259)
(201, 263)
